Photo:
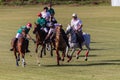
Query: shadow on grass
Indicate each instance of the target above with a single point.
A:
(95, 49)
(99, 63)
(95, 42)
(83, 55)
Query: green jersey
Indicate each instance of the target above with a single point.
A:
(41, 21)
(51, 11)
(23, 28)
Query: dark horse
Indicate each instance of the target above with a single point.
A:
(60, 44)
(40, 37)
(20, 48)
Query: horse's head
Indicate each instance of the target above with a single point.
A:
(39, 32)
(35, 28)
(58, 29)
(68, 29)
(59, 40)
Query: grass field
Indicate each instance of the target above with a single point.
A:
(102, 22)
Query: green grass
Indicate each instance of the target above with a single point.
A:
(102, 22)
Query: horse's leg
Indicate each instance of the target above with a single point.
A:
(86, 55)
(36, 50)
(67, 50)
(63, 55)
(48, 46)
(77, 54)
(41, 52)
(87, 52)
(44, 48)
(51, 50)
(37, 55)
(71, 54)
(38, 58)
(23, 60)
(58, 57)
(16, 58)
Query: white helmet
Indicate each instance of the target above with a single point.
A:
(74, 15)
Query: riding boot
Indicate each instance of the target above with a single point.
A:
(80, 45)
(79, 40)
(27, 44)
(14, 44)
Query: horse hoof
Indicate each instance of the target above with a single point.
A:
(18, 59)
(17, 64)
(62, 59)
(47, 49)
(68, 56)
(23, 64)
(11, 49)
(68, 60)
(51, 55)
(59, 58)
(77, 57)
(86, 59)
(27, 51)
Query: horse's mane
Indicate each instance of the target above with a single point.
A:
(72, 34)
(40, 34)
(60, 42)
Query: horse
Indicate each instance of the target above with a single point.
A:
(74, 43)
(40, 37)
(60, 44)
(20, 48)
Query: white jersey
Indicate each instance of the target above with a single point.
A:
(45, 14)
(76, 23)
(52, 30)
(18, 35)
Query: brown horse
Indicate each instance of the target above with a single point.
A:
(20, 48)
(40, 37)
(60, 44)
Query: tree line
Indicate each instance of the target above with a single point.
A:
(24, 2)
